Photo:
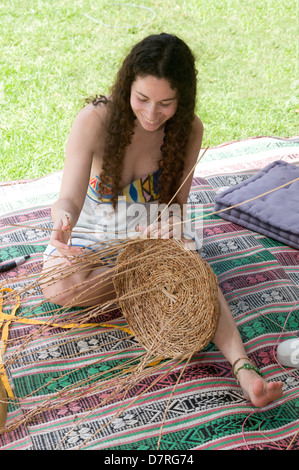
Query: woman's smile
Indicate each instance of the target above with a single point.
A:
(153, 101)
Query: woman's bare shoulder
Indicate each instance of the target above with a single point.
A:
(88, 128)
(195, 140)
(92, 115)
(197, 128)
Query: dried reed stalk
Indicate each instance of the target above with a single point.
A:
(169, 299)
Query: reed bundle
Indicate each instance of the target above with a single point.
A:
(169, 300)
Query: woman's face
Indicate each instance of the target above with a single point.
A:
(153, 102)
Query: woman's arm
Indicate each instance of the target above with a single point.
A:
(172, 227)
(186, 229)
(193, 150)
(82, 143)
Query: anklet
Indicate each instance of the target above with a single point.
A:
(240, 359)
(247, 366)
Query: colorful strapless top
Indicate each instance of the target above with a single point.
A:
(142, 190)
(99, 221)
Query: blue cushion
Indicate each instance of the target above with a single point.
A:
(276, 214)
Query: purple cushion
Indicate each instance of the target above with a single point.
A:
(275, 215)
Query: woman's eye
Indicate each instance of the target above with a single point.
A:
(145, 100)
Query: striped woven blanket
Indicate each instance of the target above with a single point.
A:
(260, 280)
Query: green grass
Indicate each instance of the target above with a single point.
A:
(52, 57)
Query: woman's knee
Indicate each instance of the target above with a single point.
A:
(55, 292)
(55, 288)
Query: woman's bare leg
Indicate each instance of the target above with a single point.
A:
(89, 286)
(229, 342)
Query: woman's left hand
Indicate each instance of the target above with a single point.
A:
(172, 228)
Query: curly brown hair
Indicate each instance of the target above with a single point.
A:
(163, 56)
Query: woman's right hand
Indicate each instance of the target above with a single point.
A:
(61, 235)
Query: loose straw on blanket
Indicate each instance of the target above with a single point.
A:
(125, 378)
(72, 397)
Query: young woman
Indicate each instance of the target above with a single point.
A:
(140, 143)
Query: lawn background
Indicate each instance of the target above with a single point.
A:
(52, 56)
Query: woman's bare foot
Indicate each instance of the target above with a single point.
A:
(257, 390)
(228, 340)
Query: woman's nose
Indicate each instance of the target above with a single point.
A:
(151, 111)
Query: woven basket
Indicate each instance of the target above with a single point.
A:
(168, 295)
